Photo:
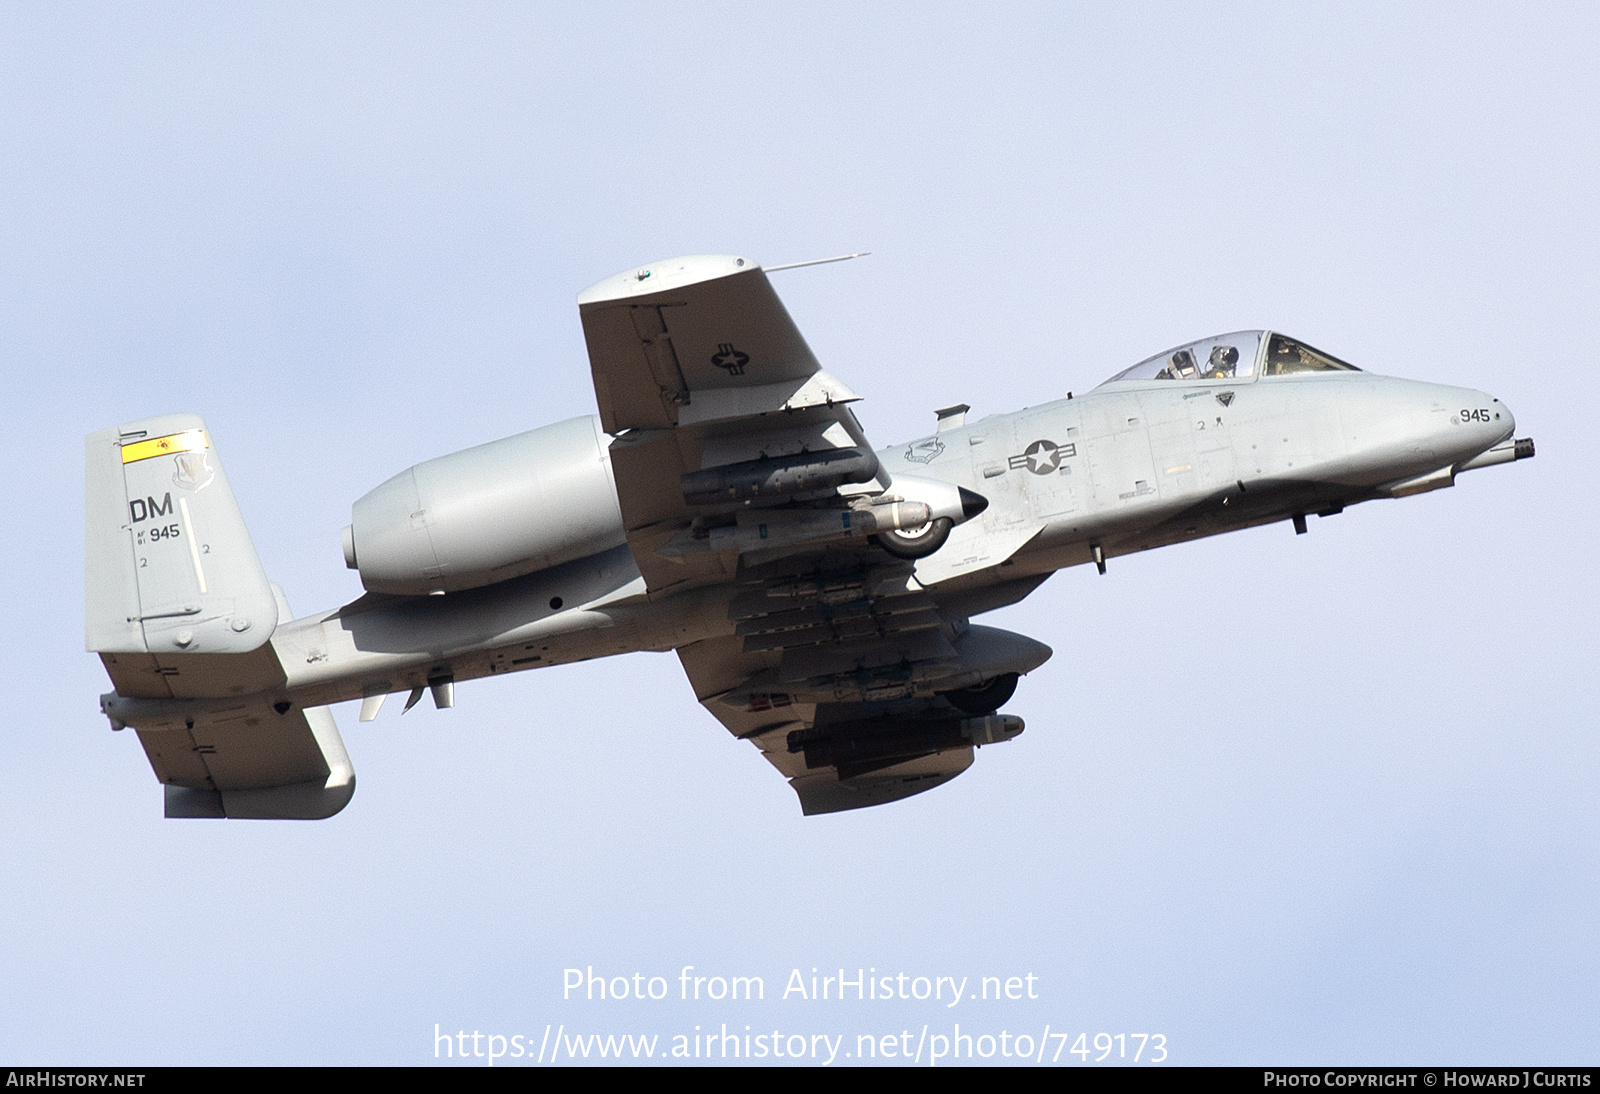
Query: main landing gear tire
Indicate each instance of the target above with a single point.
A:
(916, 542)
(986, 698)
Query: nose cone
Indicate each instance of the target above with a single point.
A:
(1486, 420)
(1402, 429)
(1472, 422)
(1508, 418)
(1500, 428)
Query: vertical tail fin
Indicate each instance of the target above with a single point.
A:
(181, 613)
(171, 568)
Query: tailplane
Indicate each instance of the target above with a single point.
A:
(181, 613)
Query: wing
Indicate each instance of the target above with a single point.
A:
(860, 687)
(738, 462)
(699, 369)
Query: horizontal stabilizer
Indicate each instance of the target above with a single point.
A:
(241, 759)
(220, 753)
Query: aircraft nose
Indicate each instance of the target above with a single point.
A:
(1494, 419)
(1478, 421)
(1508, 419)
(1494, 436)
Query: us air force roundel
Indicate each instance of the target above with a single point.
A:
(1043, 457)
(729, 358)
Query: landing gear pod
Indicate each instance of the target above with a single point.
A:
(985, 698)
(948, 505)
(916, 542)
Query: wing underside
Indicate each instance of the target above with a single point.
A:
(718, 409)
(852, 681)
(739, 463)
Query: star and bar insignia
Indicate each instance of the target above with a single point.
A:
(1043, 457)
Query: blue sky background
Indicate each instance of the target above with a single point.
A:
(1283, 799)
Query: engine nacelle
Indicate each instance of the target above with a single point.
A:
(488, 514)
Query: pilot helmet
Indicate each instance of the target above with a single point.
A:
(1224, 358)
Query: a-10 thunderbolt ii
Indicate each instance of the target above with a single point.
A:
(724, 504)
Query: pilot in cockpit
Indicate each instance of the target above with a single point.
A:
(1222, 363)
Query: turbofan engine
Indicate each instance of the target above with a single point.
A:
(488, 514)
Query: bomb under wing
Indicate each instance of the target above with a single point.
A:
(723, 503)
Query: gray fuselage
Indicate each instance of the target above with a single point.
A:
(1131, 465)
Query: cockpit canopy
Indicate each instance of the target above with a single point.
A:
(1235, 356)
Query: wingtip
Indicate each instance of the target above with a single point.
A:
(671, 273)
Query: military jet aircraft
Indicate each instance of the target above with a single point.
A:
(724, 504)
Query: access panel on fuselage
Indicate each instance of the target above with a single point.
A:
(990, 445)
(1286, 428)
(1046, 460)
(1118, 449)
(1191, 447)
